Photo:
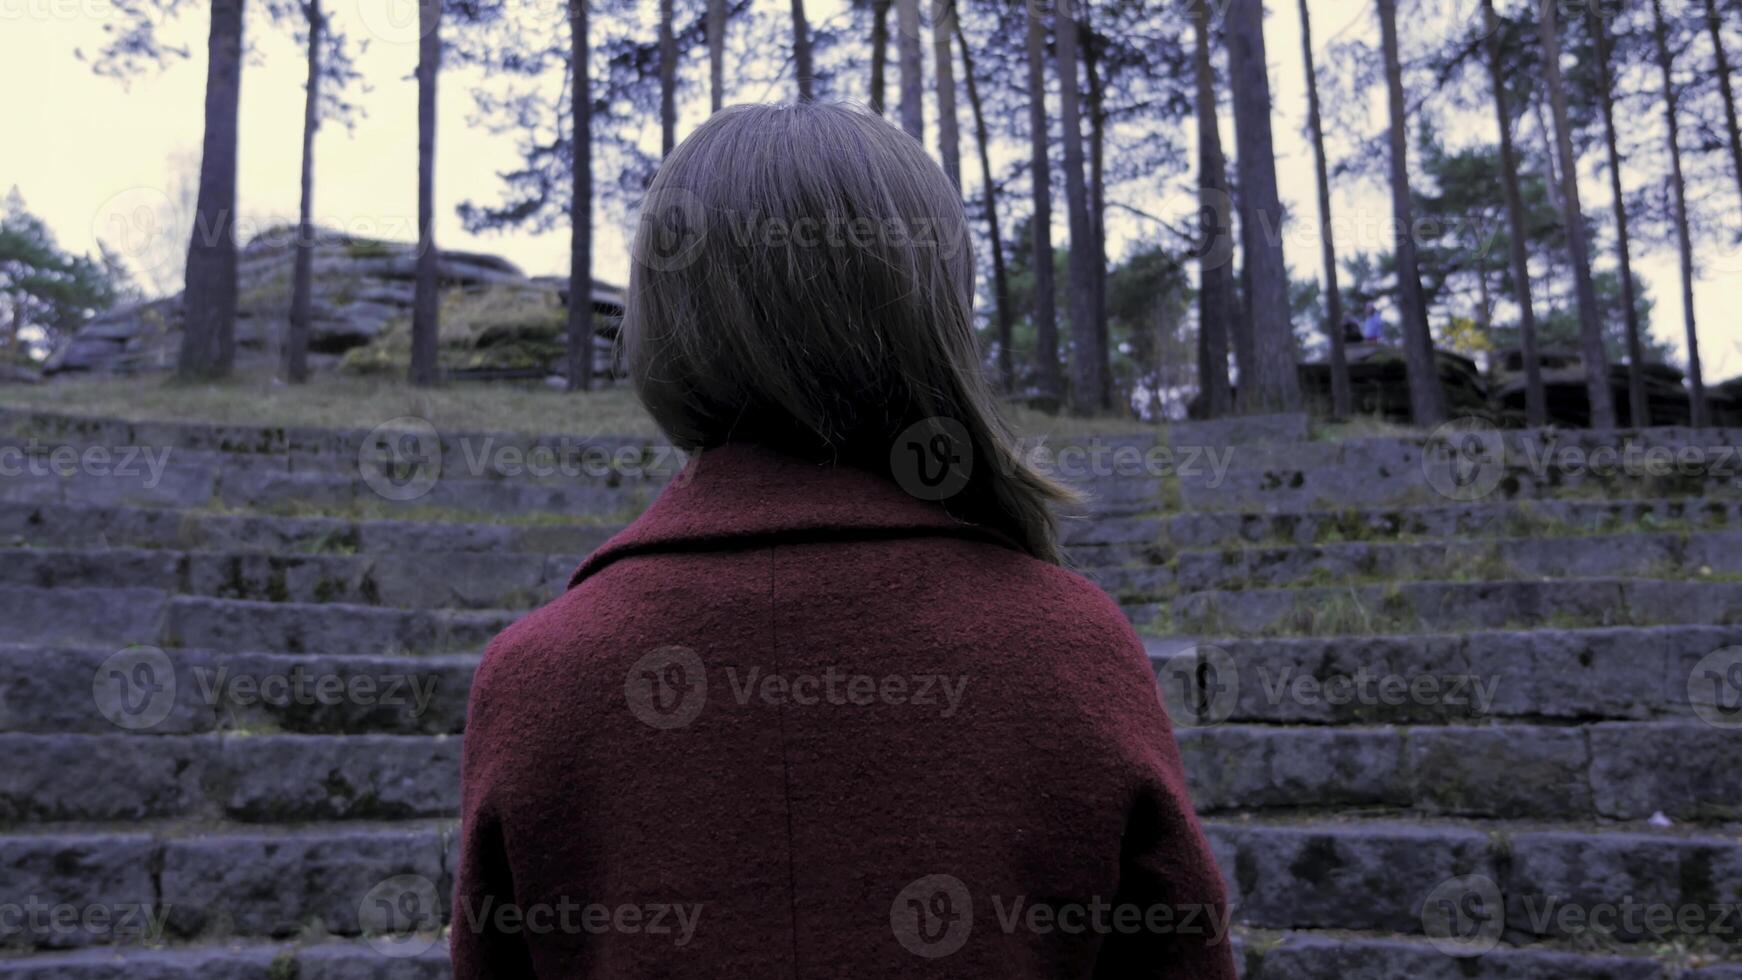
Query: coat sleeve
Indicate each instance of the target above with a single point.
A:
(1168, 875)
(479, 946)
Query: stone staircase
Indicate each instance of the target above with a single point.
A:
(1459, 709)
(232, 685)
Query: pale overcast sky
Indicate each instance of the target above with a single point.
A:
(91, 157)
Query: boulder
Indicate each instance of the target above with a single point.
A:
(495, 319)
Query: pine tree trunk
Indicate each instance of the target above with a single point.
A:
(716, 55)
(943, 24)
(668, 80)
(1535, 400)
(1726, 89)
(293, 365)
(912, 68)
(1551, 179)
(1000, 273)
(209, 316)
(1215, 254)
(580, 312)
(1639, 410)
(425, 329)
(1590, 317)
(1341, 398)
(801, 51)
(1098, 201)
(1426, 396)
(879, 54)
(1086, 365)
(1274, 383)
(1684, 239)
(1046, 339)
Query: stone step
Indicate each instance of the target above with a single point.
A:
(146, 690)
(1605, 771)
(1675, 463)
(1518, 883)
(396, 579)
(409, 957)
(268, 484)
(179, 882)
(1433, 607)
(98, 526)
(621, 463)
(406, 580)
(236, 777)
(221, 483)
(1469, 884)
(1308, 955)
(1505, 518)
(305, 443)
(1663, 555)
(1553, 676)
(124, 616)
(1566, 452)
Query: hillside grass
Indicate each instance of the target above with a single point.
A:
(351, 402)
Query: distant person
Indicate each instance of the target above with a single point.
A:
(832, 703)
(1352, 331)
(1373, 328)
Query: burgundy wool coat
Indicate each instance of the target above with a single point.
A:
(795, 723)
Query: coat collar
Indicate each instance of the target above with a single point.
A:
(737, 492)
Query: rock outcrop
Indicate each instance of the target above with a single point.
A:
(362, 298)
